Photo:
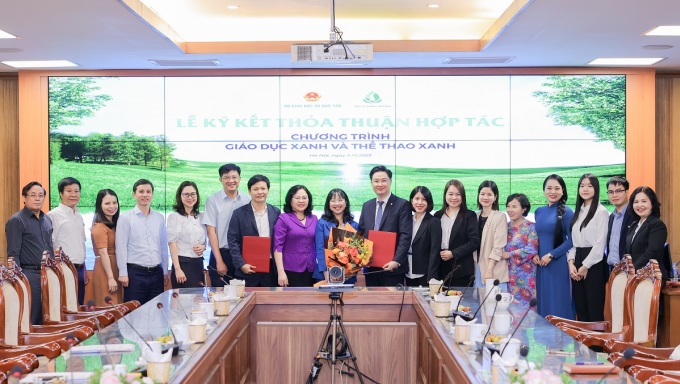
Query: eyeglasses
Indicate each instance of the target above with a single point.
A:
(188, 195)
(301, 198)
(232, 178)
(34, 196)
(616, 192)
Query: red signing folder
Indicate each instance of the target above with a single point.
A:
(384, 245)
(256, 251)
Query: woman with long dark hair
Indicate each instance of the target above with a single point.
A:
(336, 214)
(294, 248)
(587, 265)
(647, 234)
(460, 236)
(186, 238)
(103, 234)
(423, 255)
(493, 234)
(553, 286)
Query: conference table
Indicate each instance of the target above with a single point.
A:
(272, 335)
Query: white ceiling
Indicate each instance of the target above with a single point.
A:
(105, 34)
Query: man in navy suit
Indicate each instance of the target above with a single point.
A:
(387, 213)
(619, 220)
(254, 219)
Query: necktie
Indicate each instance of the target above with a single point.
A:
(378, 216)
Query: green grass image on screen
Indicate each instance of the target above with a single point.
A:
(319, 178)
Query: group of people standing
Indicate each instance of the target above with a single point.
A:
(562, 259)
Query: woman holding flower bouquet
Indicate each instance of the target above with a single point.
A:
(336, 214)
(423, 256)
(294, 248)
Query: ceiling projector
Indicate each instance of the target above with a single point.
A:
(332, 52)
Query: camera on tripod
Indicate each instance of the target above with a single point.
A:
(336, 281)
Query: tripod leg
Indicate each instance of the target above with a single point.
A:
(351, 353)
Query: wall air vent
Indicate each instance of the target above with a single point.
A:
(186, 63)
(477, 60)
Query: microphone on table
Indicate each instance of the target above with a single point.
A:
(109, 301)
(91, 306)
(465, 316)
(495, 284)
(488, 331)
(207, 299)
(175, 343)
(448, 277)
(532, 303)
(523, 352)
(15, 374)
(70, 339)
(175, 295)
(215, 269)
(627, 355)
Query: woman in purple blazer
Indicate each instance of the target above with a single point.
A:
(294, 247)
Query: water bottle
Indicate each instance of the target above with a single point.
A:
(675, 272)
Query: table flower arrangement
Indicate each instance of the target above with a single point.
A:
(346, 249)
(112, 377)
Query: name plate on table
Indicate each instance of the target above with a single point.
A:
(102, 349)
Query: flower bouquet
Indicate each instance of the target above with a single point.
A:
(346, 249)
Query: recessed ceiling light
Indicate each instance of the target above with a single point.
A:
(657, 47)
(39, 64)
(664, 30)
(5, 35)
(433, 5)
(233, 6)
(626, 61)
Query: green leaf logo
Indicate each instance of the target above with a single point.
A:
(372, 98)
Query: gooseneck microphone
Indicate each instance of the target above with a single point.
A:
(175, 295)
(70, 339)
(465, 316)
(532, 303)
(498, 299)
(160, 307)
(448, 278)
(215, 269)
(15, 374)
(495, 284)
(108, 301)
(91, 306)
(523, 352)
(627, 355)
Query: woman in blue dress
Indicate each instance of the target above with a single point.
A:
(336, 213)
(553, 287)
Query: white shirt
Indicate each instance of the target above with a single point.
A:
(68, 232)
(416, 226)
(141, 240)
(218, 210)
(447, 226)
(186, 231)
(262, 222)
(593, 235)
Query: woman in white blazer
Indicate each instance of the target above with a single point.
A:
(493, 230)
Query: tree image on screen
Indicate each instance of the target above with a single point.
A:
(596, 103)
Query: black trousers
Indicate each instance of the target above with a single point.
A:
(81, 283)
(298, 279)
(588, 294)
(419, 281)
(215, 280)
(33, 277)
(260, 279)
(143, 285)
(193, 270)
(383, 279)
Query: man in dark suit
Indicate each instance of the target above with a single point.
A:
(387, 213)
(254, 219)
(619, 220)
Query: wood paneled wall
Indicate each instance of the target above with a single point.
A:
(9, 155)
(668, 159)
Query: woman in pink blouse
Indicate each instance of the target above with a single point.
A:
(294, 246)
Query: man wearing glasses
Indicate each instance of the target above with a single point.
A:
(218, 210)
(29, 234)
(619, 220)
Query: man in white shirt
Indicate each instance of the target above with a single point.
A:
(69, 229)
(218, 210)
(142, 247)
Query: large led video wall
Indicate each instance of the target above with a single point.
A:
(329, 131)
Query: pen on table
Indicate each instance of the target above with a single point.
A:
(589, 363)
(561, 352)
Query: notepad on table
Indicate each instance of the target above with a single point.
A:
(590, 368)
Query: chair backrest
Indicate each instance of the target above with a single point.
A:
(51, 282)
(11, 306)
(25, 287)
(642, 302)
(619, 278)
(70, 274)
(667, 260)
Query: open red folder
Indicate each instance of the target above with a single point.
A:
(256, 251)
(384, 246)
